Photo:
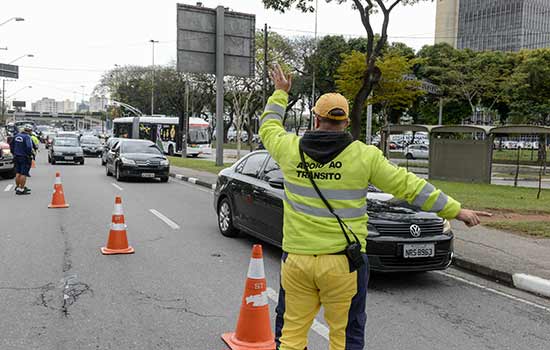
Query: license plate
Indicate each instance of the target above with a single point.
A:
(148, 175)
(418, 250)
(69, 158)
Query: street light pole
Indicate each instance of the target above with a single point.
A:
(20, 57)
(17, 19)
(311, 119)
(153, 76)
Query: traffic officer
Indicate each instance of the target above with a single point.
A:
(324, 239)
(22, 148)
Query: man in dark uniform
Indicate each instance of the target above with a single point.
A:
(22, 148)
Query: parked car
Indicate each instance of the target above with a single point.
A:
(7, 165)
(415, 151)
(65, 149)
(137, 158)
(249, 198)
(107, 147)
(91, 145)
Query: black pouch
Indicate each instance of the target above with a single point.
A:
(355, 257)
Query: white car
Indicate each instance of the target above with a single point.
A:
(417, 151)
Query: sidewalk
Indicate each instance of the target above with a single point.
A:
(520, 261)
(501, 255)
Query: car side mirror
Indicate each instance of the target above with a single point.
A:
(277, 183)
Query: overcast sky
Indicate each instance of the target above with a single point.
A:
(74, 41)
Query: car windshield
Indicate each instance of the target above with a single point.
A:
(66, 142)
(90, 140)
(139, 147)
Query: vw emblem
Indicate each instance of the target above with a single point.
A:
(415, 230)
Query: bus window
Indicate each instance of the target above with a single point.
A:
(168, 132)
(122, 130)
(145, 131)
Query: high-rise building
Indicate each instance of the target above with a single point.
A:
(483, 25)
(65, 106)
(45, 105)
(98, 104)
(49, 105)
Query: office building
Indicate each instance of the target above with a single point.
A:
(45, 105)
(98, 104)
(485, 25)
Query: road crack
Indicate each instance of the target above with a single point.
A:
(178, 304)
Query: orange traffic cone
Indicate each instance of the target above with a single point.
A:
(58, 198)
(117, 242)
(253, 328)
(33, 164)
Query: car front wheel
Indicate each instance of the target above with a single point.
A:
(117, 173)
(409, 156)
(225, 219)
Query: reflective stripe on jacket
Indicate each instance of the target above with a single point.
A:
(309, 227)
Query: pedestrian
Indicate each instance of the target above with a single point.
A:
(21, 146)
(326, 177)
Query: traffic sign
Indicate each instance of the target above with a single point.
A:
(9, 71)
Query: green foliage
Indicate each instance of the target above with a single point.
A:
(529, 88)
(392, 93)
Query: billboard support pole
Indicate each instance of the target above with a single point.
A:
(219, 83)
(3, 97)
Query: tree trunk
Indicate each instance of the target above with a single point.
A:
(372, 77)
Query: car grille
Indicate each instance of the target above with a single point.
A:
(400, 261)
(68, 154)
(152, 163)
(403, 229)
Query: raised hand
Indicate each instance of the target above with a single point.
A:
(280, 80)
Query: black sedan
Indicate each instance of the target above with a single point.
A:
(91, 145)
(109, 144)
(136, 158)
(249, 198)
(65, 150)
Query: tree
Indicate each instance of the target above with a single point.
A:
(529, 88)
(393, 92)
(366, 10)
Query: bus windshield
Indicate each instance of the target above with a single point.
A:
(199, 135)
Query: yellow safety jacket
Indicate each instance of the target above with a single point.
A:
(309, 228)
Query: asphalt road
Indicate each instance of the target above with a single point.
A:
(182, 288)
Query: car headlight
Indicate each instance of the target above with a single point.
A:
(372, 231)
(6, 151)
(127, 161)
(56, 153)
(164, 162)
(79, 154)
(446, 227)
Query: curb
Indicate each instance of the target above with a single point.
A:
(528, 283)
(194, 180)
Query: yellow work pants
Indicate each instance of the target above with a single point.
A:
(309, 281)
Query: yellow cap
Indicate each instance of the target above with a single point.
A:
(330, 102)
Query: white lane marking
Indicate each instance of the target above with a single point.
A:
(317, 326)
(8, 187)
(117, 186)
(521, 300)
(167, 221)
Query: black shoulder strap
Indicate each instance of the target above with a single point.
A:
(341, 222)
